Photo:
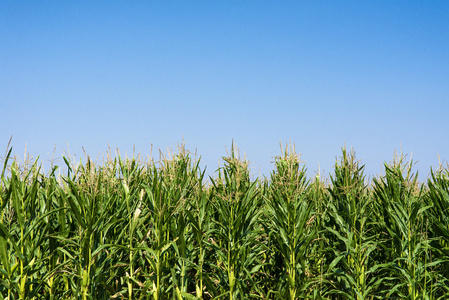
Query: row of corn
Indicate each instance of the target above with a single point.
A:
(133, 229)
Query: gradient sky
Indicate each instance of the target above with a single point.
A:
(372, 75)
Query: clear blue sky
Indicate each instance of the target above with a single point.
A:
(373, 75)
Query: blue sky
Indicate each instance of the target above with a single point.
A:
(372, 75)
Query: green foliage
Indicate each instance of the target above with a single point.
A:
(133, 229)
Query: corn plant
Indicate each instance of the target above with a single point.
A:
(184, 179)
(289, 213)
(86, 240)
(438, 217)
(406, 242)
(201, 228)
(352, 226)
(237, 246)
(21, 232)
(319, 262)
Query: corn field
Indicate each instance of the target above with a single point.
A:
(143, 229)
